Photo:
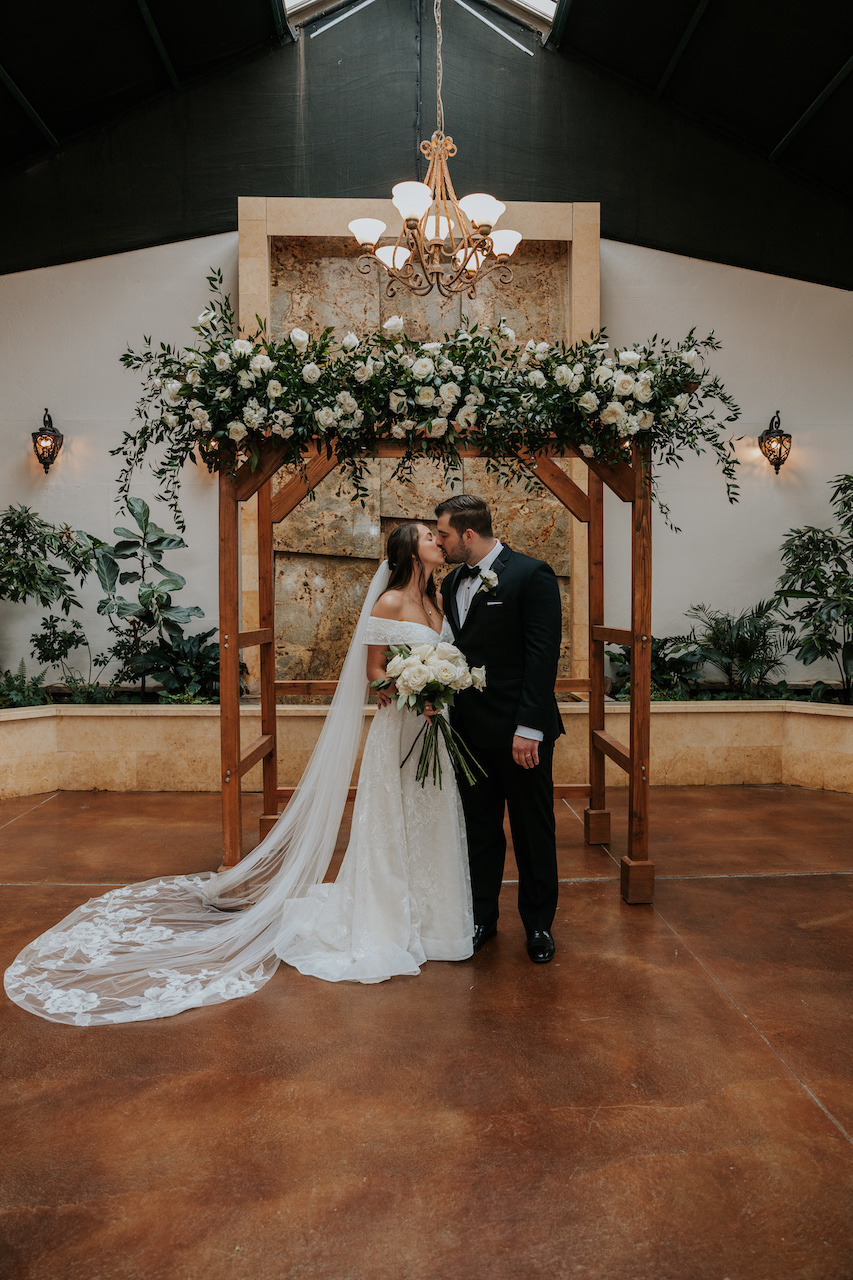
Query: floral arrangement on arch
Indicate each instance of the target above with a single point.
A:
(225, 399)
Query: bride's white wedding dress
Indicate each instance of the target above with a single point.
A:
(402, 895)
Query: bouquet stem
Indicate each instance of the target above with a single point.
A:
(429, 761)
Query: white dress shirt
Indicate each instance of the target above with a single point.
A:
(467, 589)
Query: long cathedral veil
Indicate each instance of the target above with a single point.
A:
(153, 949)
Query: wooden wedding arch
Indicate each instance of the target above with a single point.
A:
(581, 492)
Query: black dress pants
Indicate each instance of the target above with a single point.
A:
(528, 794)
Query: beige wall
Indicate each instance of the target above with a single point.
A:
(177, 748)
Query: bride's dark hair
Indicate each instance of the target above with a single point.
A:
(404, 562)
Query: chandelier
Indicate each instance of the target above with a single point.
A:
(445, 243)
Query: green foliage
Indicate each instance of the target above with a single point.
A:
(674, 671)
(19, 690)
(37, 559)
(746, 647)
(818, 574)
(186, 666)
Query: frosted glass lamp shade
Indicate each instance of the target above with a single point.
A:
(411, 200)
(474, 261)
(439, 228)
(393, 256)
(505, 242)
(367, 230)
(481, 209)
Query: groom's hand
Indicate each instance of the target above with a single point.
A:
(525, 752)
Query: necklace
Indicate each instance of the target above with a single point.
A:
(424, 608)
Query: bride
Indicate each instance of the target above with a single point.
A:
(402, 895)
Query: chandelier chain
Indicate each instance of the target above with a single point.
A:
(438, 67)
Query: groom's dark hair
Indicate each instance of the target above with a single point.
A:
(467, 511)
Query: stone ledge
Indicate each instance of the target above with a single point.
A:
(169, 748)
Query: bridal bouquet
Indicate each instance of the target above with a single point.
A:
(431, 674)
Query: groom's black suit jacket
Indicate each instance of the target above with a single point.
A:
(513, 631)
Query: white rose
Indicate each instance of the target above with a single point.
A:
(408, 424)
(311, 373)
(542, 350)
(445, 368)
(446, 672)
(285, 432)
(237, 431)
(612, 413)
(645, 420)
(562, 375)
(466, 417)
(350, 342)
(587, 451)
(478, 677)
(171, 420)
(363, 371)
(415, 675)
(300, 339)
(475, 396)
(462, 335)
(642, 392)
(450, 392)
(536, 378)
(223, 393)
(398, 431)
(222, 361)
(346, 401)
(325, 417)
(623, 384)
(393, 326)
(422, 651)
(193, 377)
(575, 384)
(206, 319)
(438, 426)
(689, 357)
(681, 402)
(406, 361)
(240, 347)
(274, 389)
(245, 379)
(506, 332)
(463, 679)
(397, 401)
(578, 370)
(601, 375)
(423, 368)
(395, 666)
(629, 358)
(445, 652)
(458, 370)
(425, 396)
(431, 347)
(260, 363)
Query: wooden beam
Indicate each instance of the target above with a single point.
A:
(613, 635)
(307, 688)
(619, 477)
(266, 618)
(298, 487)
(838, 79)
(596, 820)
(681, 46)
(229, 672)
(566, 790)
(248, 639)
(27, 106)
(571, 684)
(613, 748)
(261, 747)
(562, 486)
(157, 41)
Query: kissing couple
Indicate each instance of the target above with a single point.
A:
(421, 876)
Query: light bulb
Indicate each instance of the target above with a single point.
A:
(367, 230)
(481, 209)
(411, 200)
(393, 256)
(445, 226)
(505, 242)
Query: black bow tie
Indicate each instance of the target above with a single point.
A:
(469, 571)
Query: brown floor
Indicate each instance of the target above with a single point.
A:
(670, 1099)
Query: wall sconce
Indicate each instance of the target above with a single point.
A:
(47, 443)
(775, 443)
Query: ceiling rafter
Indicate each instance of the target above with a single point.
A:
(815, 107)
(158, 43)
(24, 102)
(682, 45)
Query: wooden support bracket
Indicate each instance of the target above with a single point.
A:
(259, 748)
(249, 639)
(613, 635)
(562, 486)
(613, 748)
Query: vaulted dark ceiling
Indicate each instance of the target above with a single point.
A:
(718, 129)
(773, 77)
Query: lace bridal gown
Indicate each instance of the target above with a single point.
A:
(402, 895)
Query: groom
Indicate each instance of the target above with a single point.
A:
(505, 612)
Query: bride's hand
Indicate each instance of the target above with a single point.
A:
(429, 712)
(384, 697)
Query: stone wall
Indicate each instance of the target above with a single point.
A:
(328, 549)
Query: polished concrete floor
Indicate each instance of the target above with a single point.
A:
(670, 1099)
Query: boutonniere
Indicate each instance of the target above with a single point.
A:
(488, 581)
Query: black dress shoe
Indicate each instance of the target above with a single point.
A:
(540, 946)
(482, 933)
